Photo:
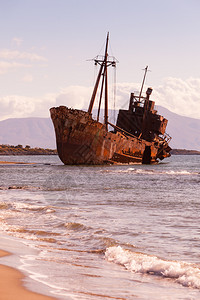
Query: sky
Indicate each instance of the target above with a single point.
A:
(46, 47)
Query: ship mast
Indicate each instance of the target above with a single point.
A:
(104, 62)
(106, 84)
(145, 73)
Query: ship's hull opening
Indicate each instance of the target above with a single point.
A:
(146, 159)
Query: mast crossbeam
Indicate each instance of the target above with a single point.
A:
(104, 61)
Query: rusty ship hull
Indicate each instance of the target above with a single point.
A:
(138, 136)
(82, 140)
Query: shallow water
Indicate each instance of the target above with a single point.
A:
(106, 232)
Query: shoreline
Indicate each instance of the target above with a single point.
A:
(20, 150)
(11, 284)
(14, 163)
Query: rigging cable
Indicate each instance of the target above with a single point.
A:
(114, 86)
(115, 92)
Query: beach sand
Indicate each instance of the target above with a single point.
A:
(11, 287)
(14, 163)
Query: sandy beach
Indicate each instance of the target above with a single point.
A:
(11, 286)
(14, 163)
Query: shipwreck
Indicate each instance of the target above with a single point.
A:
(137, 137)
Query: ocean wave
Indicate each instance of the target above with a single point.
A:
(32, 207)
(35, 232)
(183, 172)
(184, 273)
(4, 205)
(28, 234)
(119, 171)
(75, 226)
(154, 172)
(34, 188)
(167, 172)
(20, 187)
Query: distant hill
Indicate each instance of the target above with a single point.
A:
(35, 132)
(20, 150)
(183, 152)
(185, 132)
(39, 132)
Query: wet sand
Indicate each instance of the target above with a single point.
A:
(11, 287)
(14, 163)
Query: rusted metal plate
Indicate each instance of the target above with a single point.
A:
(82, 140)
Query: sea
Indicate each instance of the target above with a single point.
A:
(103, 232)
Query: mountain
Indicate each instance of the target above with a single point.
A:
(185, 131)
(39, 132)
(35, 132)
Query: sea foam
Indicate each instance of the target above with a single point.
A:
(184, 273)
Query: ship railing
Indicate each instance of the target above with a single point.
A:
(99, 59)
(140, 97)
(166, 137)
(124, 132)
(140, 100)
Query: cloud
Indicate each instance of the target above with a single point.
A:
(74, 97)
(10, 66)
(179, 96)
(15, 106)
(17, 41)
(14, 54)
(79, 96)
(28, 78)
(11, 60)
